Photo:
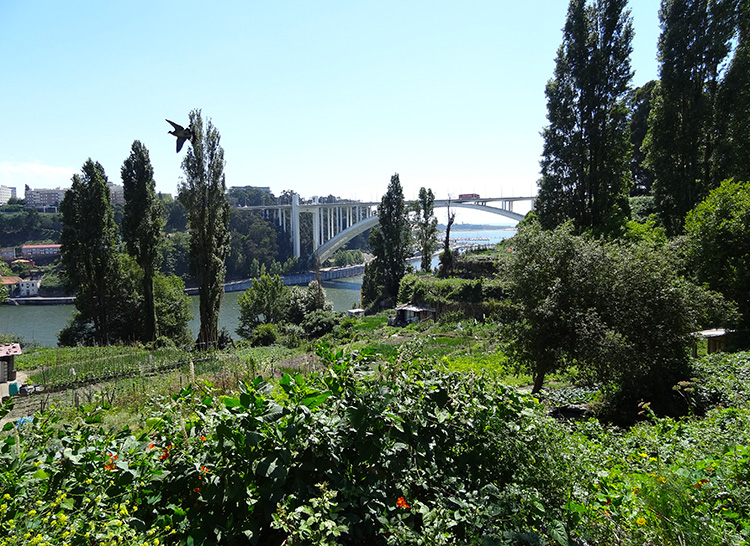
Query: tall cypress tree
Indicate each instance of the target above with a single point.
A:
(89, 248)
(585, 174)
(426, 225)
(390, 242)
(733, 107)
(694, 42)
(203, 195)
(141, 226)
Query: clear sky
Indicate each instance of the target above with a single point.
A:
(325, 97)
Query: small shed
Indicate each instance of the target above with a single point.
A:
(8, 353)
(716, 339)
(409, 314)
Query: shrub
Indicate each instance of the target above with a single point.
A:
(620, 313)
(320, 322)
(264, 335)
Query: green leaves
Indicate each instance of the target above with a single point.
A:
(585, 175)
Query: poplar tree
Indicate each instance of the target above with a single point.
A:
(389, 241)
(733, 107)
(89, 252)
(141, 226)
(585, 164)
(202, 192)
(694, 43)
(426, 227)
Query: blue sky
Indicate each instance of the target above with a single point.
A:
(326, 97)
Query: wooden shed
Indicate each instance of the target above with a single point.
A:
(409, 314)
(716, 340)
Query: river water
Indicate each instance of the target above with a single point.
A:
(40, 323)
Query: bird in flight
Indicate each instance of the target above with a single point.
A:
(181, 133)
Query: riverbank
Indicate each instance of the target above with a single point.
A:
(41, 300)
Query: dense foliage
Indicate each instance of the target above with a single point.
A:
(694, 45)
(585, 165)
(620, 313)
(403, 453)
(718, 243)
(142, 226)
(269, 302)
(425, 225)
(203, 195)
(89, 242)
(390, 244)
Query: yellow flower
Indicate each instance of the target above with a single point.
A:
(662, 479)
(39, 503)
(32, 512)
(156, 542)
(641, 521)
(89, 481)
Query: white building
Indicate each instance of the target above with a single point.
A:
(28, 287)
(6, 193)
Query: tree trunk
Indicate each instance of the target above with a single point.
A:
(538, 382)
(149, 308)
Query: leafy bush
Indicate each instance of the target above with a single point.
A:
(401, 454)
(320, 322)
(264, 335)
(620, 313)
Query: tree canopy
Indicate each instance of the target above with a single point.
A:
(718, 242)
(390, 242)
(203, 195)
(620, 313)
(426, 227)
(585, 174)
(681, 143)
(142, 226)
(89, 242)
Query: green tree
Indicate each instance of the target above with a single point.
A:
(718, 243)
(733, 106)
(390, 242)
(172, 309)
(694, 42)
(263, 303)
(125, 314)
(585, 163)
(174, 251)
(620, 313)
(300, 302)
(142, 225)
(203, 195)
(640, 106)
(89, 252)
(426, 227)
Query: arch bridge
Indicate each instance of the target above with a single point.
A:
(335, 224)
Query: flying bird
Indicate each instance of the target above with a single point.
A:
(181, 133)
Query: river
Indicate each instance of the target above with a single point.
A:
(41, 323)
